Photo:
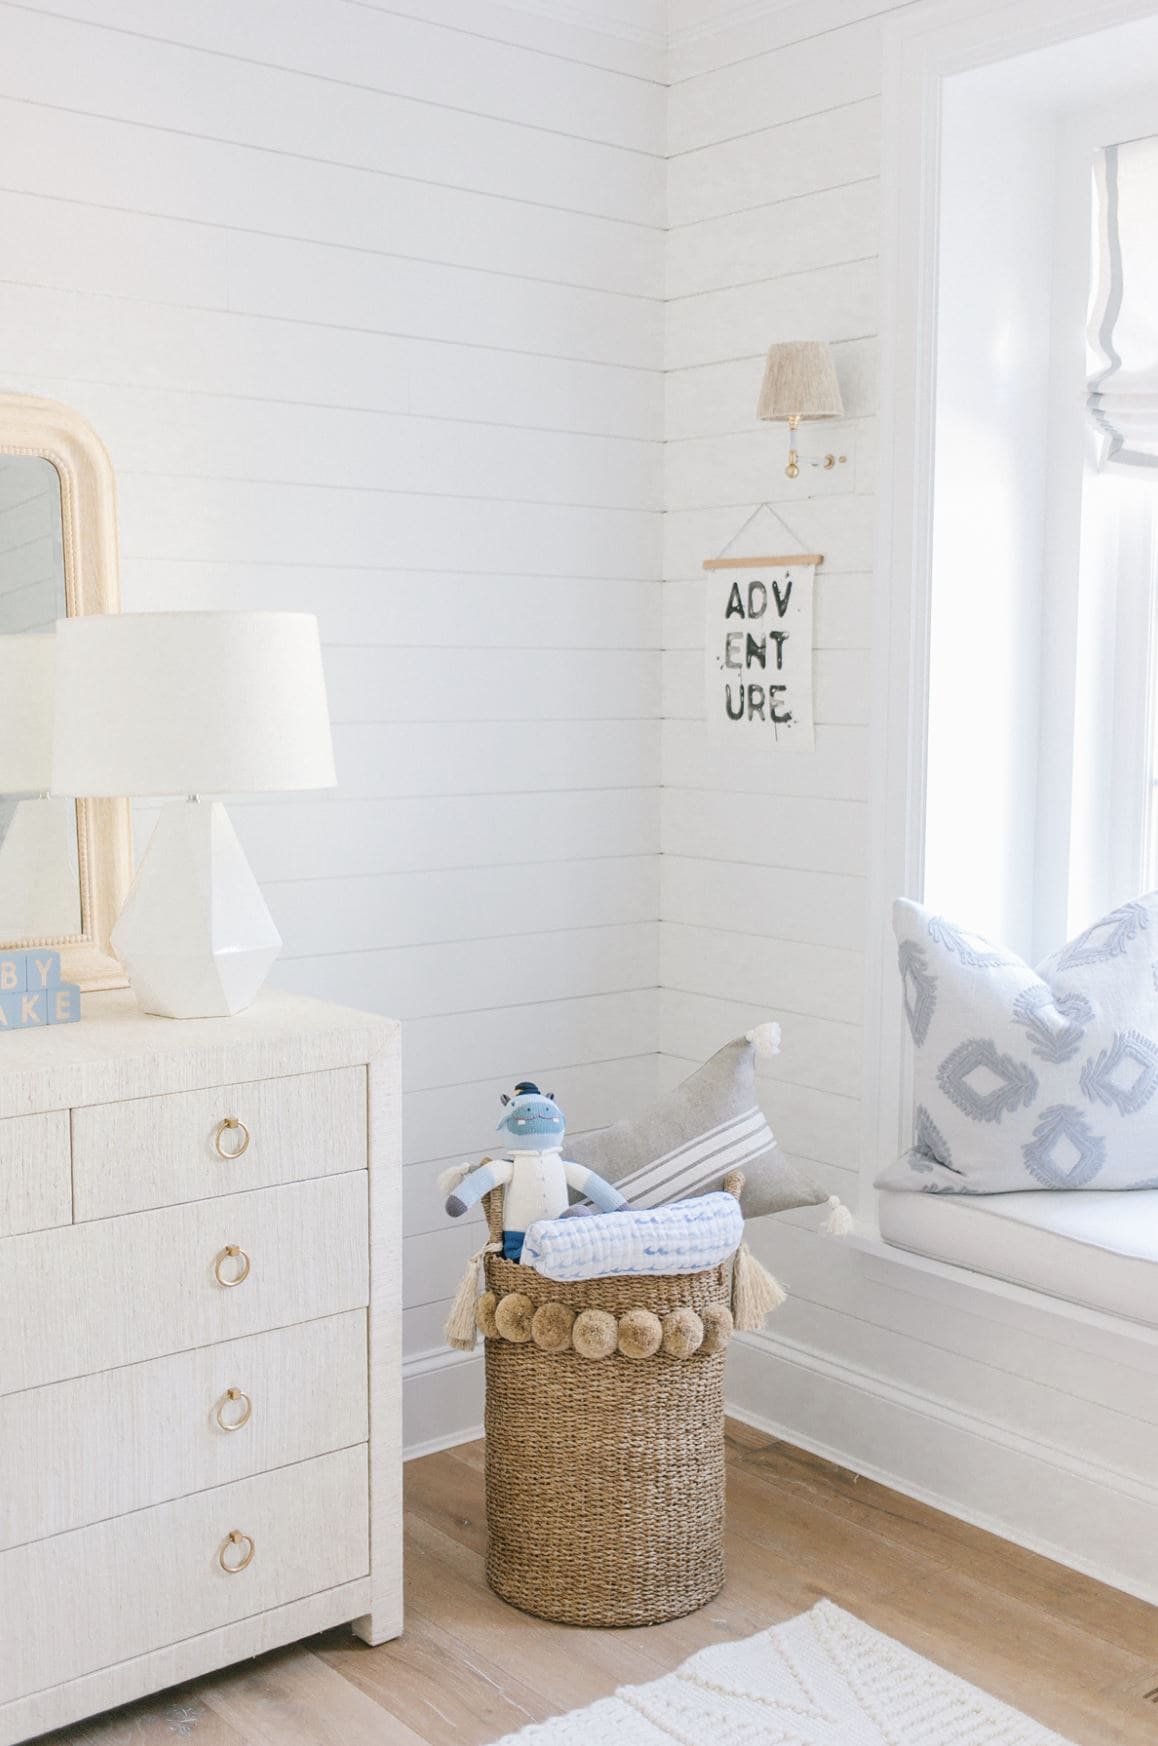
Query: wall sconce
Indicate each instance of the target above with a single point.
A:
(800, 383)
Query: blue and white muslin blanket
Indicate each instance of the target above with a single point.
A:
(684, 1236)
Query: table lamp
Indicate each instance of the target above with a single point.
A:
(39, 877)
(192, 704)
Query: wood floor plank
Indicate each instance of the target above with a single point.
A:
(904, 1522)
(292, 1698)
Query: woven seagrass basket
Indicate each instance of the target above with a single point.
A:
(604, 1476)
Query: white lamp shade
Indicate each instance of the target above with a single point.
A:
(26, 696)
(800, 382)
(190, 703)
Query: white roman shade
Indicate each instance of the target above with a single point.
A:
(1123, 325)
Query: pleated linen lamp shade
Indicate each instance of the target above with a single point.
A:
(26, 688)
(800, 382)
(192, 703)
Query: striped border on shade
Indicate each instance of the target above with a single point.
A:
(734, 1145)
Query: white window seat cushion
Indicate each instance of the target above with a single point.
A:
(1096, 1248)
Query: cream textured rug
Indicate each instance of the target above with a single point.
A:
(823, 1679)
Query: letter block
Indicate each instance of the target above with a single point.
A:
(63, 1003)
(13, 972)
(20, 1011)
(43, 968)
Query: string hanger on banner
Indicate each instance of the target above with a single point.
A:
(762, 560)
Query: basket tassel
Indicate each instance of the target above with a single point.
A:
(461, 1331)
(755, 1294)
(839, 1220)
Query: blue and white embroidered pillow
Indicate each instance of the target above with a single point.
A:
(1031, 1079)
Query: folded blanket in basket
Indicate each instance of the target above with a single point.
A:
(685, 1236)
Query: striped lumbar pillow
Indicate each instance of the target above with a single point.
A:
(691, 1139)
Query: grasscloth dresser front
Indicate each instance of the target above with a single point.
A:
(200, 1452)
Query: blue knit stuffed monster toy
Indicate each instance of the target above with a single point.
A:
(533, 1172)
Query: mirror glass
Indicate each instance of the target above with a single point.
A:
(39, 846)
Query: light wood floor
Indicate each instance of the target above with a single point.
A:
(1079, 1656)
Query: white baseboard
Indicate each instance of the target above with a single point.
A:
(442, 1394)
(1080, 1513)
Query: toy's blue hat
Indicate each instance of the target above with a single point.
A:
(531, 1114)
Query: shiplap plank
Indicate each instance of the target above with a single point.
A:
(826, 836)
(304, 837)
(699, 473)
(118, 166)
(816, 1054)
(720, 399)
(484, 976)
(154, 346)
(428, 758)
(403, 57)
(791, 82)
(838, 301)
(397, 607)
(837, 769)
(507, 1045)
(823, 150)
(796, 235)
(842, 612)
(702, 40)
(824, 909)
(630, 39)
(840, 687)
(774, 975)
(378, 911)
(161, 85)
(80, 248)
(384, 684)
(167, 517)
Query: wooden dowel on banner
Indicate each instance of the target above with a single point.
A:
(758, 563)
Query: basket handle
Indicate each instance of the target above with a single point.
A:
(493, 1202)
(734, 1183)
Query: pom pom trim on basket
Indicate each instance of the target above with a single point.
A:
(638, 1333)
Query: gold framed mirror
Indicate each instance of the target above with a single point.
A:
(65, 865)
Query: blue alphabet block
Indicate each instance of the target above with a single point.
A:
(63, 1003)
(19, 1011)
(43, 968)
(13, 972)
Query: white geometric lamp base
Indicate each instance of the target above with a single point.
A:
(195, 935)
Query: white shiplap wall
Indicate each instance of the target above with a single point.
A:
(365, 301)
(1011, 1415)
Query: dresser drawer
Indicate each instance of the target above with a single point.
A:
(35, 1176)
(116, 1291)
(118, 1589)
(157, 1151)
(144, 1433)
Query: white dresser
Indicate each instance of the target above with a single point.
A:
(199, 1346)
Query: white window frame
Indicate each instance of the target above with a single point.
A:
(922, 48)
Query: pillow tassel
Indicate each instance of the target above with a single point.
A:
(839, 1220)
(755, 1294)
(461, 1330)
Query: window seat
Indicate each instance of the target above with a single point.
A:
(1093, 1248)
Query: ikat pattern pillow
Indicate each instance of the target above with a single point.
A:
(1031, 1079)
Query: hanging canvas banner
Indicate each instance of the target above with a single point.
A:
(758, 649)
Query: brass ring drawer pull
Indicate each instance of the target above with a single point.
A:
(243, 1415)
(230, 1125)
(231, 1252)
(236, 1552)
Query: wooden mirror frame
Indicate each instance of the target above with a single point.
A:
(88, 515)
